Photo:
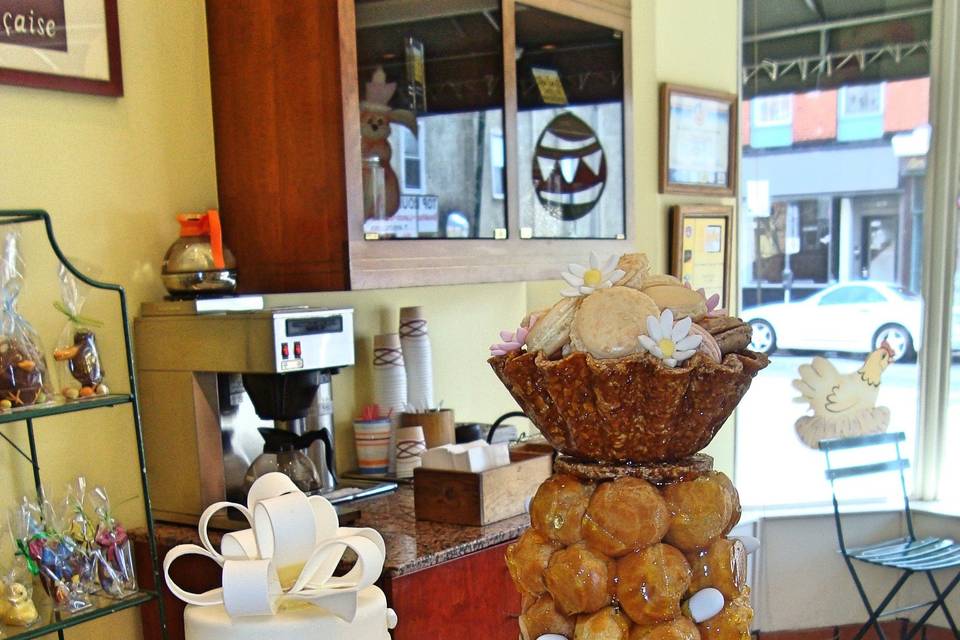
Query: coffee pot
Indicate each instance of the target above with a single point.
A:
(198, 263)
(283, 451)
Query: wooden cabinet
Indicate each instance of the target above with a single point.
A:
(286, 107)
(470, 597)
(278, 118)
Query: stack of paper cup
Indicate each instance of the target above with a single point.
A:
(410, 446)
(389, 383)
(417, 358)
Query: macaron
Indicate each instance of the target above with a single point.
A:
(551, 332)
(732, 334)
(532, 317)
(681, 301)
(658, 279)
(635, 267)
(610, 321)
(708, 345)
(718, 324)
(735, 340)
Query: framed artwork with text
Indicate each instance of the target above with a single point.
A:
(697, 141)
(66, 45)
(701, 246)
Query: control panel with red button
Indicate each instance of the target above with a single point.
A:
(313, 338)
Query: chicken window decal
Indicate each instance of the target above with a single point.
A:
(844, 405)
(569, 168)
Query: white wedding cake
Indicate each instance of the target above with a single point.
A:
(279, 577)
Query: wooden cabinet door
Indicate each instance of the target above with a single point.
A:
(192, 573)
(470, 597)
(278, 127)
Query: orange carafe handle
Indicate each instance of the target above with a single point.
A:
(216, 238)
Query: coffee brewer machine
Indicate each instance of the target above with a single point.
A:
(226, 394)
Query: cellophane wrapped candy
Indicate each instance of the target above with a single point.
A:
(115, 569)
(24, 379)
(51, 556)
(78, 359)
(78, 523)
(16, 585)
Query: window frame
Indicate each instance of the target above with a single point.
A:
(507, 256)
(420, 158)
(940, 227)
(494, 169)
(842, 101)
(783, 121)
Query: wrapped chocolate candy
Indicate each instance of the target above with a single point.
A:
(77, 522)
(16, 586)
(51, 556)
(115, 567)
(80, 370)
(23, 368)
(73, 559)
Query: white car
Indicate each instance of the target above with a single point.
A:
(852, 316)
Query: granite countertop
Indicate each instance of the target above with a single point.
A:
(412, 544)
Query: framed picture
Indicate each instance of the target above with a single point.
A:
(67, 45)
(701, 247)
(698, 151)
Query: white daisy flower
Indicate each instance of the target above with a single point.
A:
(585, 280)
(670, 342)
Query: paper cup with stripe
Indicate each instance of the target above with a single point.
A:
(410, 446)
(372, 438)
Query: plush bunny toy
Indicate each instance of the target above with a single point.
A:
(375, 119)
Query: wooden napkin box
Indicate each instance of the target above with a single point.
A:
(476, 499)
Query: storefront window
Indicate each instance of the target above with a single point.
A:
(805, 225)
(498, 173)
(570, 126)
(411, 152)
(863, 100)
(430, 83)
(773, 110)
(831, 221)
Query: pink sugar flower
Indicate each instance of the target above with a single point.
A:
(511, 342)
(712, 302)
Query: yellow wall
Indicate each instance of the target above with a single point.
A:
(112, 172)
(696, 45)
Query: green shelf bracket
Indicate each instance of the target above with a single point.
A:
(29, 414)
(59, 622)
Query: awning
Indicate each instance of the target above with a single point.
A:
(799, 45)
(824, 171)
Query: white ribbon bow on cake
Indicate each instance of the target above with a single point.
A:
(290, 553)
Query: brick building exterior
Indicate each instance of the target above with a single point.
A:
(832, 183)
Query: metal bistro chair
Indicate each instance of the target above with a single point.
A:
(909, 555)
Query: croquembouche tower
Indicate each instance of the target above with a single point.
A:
(628, 377)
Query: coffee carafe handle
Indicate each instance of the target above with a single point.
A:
(216, 238)
(323, 435)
